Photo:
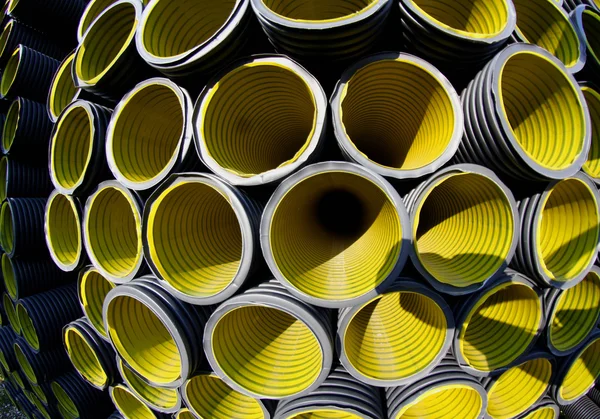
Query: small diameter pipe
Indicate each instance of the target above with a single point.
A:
(335, 234)
(15, 33)
(130, 405)
(184, 414)
(22, 227)
(92, 289)
(77, 399)
(44, 392)
(260, 120)
(11, 314)
(397, 115)
(43, 366)
(583, 408)
(22, 179)
(586, 21)
(7, 352)
(26, 131)
(545, 409)
(591, 167)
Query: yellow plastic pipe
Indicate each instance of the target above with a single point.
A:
(9, 308)
(129, 404)
(10, 72)
(63, 231)
(92, 290)
(10, 125)
(62, 90)
(592, 97)
(27, 327)
(184, 414)
(578, 372)
(93, 9)
(84, 358)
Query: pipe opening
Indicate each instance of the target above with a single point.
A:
(174, 27)
(84, 358)
(517, 389)
(143, 340)
(63, 229)
(324, 414)
(18, 380)
(195, 238)
(185, 414)
(583, 373)
(147, 132)
(398, 114)
(542, 413)
(65, 403)
(447, 401)
(92, 11)
(24, 364)
(113, 232)
(92, 292)
(543, 110)
(591, 27)
(40, 393)
(576, 313)
(6, 233)
(5, 36)
(3, 178)
(500, 327)
(259, 117)
(162, 397)
(8, 274)
(63, 90)
(129, 405)
(568, 230)
(592, 165)
(27, 327)
(335, 235)
(318, 10)
(267, 351)
(10, 72)
(11, 313)
(105, 42)
(210, 397)
(38, 404)
(395, 336)
(5, 365)
(11, 124)
(71, 148)
(475, 211)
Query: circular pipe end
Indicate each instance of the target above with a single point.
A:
(24, 363)
(84, 358)
(11, 313)
(28, 329)
(63, 231)
(93, 288)
(62, 89)
(10, 72)
(66, 406)
(454, 400)
(8, 274)
(582, 370)
(11, 124)
(129, 404)
(592, 166)
(93, 9)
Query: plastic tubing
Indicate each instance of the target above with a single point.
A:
(7, 354)
(586, 21)
(91, 12)
(26, 131)
(20, 179)
(43, 366)
(92, 289)
(591, 167)
(77, 399)
(11, 314)
(16, 33)
(22, 227)
(130, 405)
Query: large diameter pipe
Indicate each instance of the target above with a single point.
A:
(397, 337)
(294, 355)
(43, 366)
(525, 90)
(92, 289)
(260, 120)
(77, 399)
(586, 21)
(591, 167)
(26, 131)
(335, 234)
(471, 204)
(130, 405)
(22, 232)
(201, 237)
(15, 33)
(22, 179)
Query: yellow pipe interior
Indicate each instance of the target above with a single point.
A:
(397, 114)
(3, 177)
(5, 36)
(65, 403)
(64, 229)
(4, 363)
(210, 397)
(63, 90)
(543, 110)
(38, 404)
(500, 326)
(147, 129)
(583, 372)
(11, 313)
(39, 393)
(591, 28)
(395, 335)
(18, 379)
(267, 351)
(143, 341)
(185, 414)
(130, 405)
(545, 412)
(165, 398)
(93, 10)
(6, 232)
(517, 389)
(444, 402)
(10, 72)
(27, 327)
(568, 230)
(84, 357)
(476, 213)
(11, 124)
(8, 274)
(335, 235)
(318, 11)
(92, 292)
(114, 232)
(259, 117)
(24, 364)
(324, 414)
(195, 238)
(592, 165)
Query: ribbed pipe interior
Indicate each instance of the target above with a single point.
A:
(105, 41)
(5, 36)
(63, 90)
(267, 351)
(165, 398)
(576, 313)
(24, 364)
(38, 404)
(185, 414)
(147, 130)
(568, 231)
(8, 273)
(10, 72)
(11, 313)
(259, 117)
(93, 10)
(113, 232)
(92, 292)
(317, 10)
(324, 414)
(195, 238)
(129, 405)
(517, 389)
(174, 27)
(3, 177)
(84, 357)
(27, 327)
(64, 401)
(6, 232)
(11, 124)
(143, 340)
(398, 114)
(591, 27)
(472, 18)
(583, 372)
(39, 393)
(476, 213)
(335, 235)
(500, 327)
(444, 402)
(542, 413)
(543, 110)
(395, 336)
(63, 229)
(210, 397)
(592, 165)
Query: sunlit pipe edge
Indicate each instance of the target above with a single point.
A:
(75, 206)
(84, 297)
(544, 405)
(132, 404)
(62, 75)
(589, 57)
(86, 20)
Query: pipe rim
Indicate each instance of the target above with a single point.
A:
(67, 265)
(576, 17)
(591, 167)
(7, 235)
(84, 357)
(28, 327)
(8, 273)
(11, 125)
(24, 363)
(11, 313)
(569, 371)
(303, 155)
(4, 177)
(62, 89)
(10, 71)
(5, 36)
(121, 394)
(93, 312)
(91, 12)
(64, 401)
(184, 413)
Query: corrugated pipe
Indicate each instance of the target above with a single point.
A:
(208, 35)
(294, 355)
(77, 399)
(560, 230)
(498, 324)
(313, 30)
(15, 33)
(397, 337)
(112, 231)
(161, 399)
(93, 9)
(447, 391)
(469, 203)
(572, 314)
(43, 366)
(20, 379)
(26, 131)
(591, 167)
(339, 396)
(184, 414)
(260, 120)
(28, 73)
(577, 372)
(583, 408)
(42, 316)
(130, 405)
(201, 237)
(7, 352)
(21, 179)
(586, 21)
(92, 288)
(106, 62)
(11, 314)
(62, 225)
(44, 392)
(117, 415)
(570, 5)
(525, 90)
(545, 409)
(24, 278)
(47, 411)
(407, 104)
(25, 406)
(150, 134)
(92, 357)
(594, 394)
(335, 234)
(171, 349)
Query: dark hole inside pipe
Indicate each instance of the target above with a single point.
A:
(341, 213)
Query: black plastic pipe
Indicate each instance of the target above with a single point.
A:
(22, 233)
(570, 5)
(7, 352)
(26, 132)
(584, 408)
(21, 179)
(43, 366)
(15, 33)
(79, 399)
(586, 21)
